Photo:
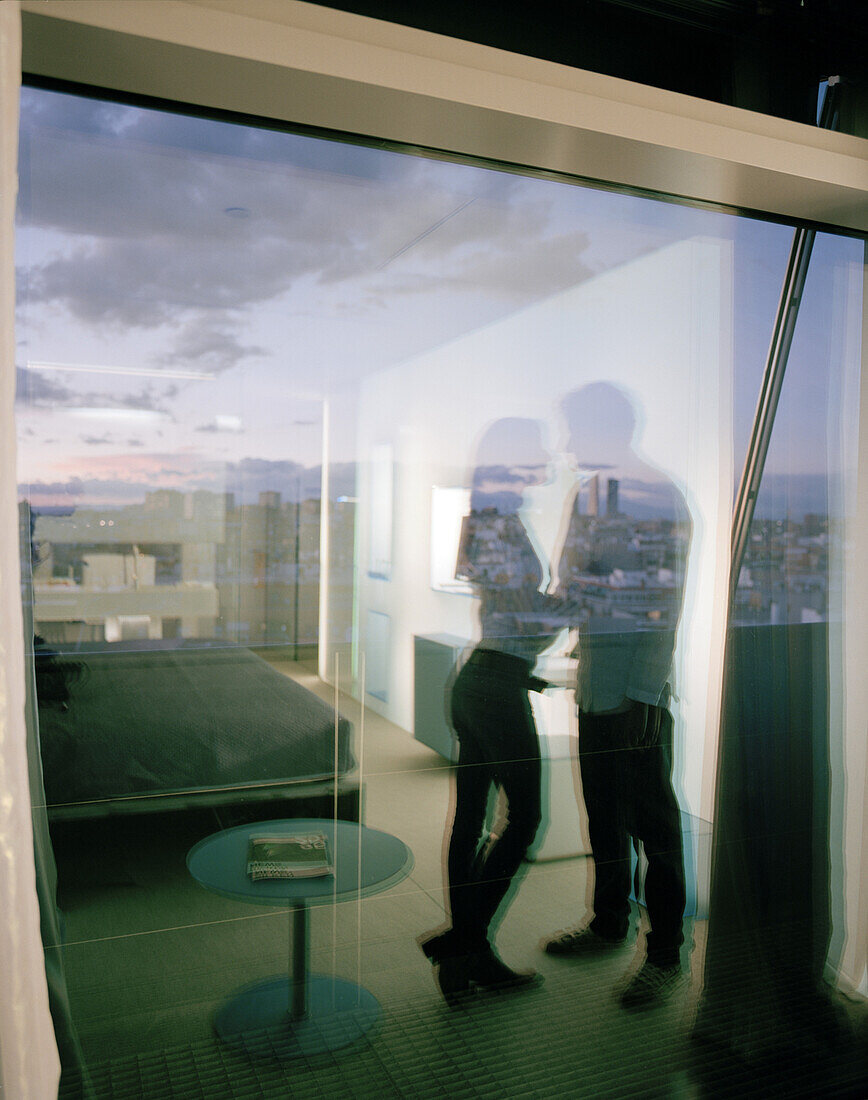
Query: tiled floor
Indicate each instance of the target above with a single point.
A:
(151, 956)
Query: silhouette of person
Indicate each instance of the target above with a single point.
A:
(625, 574)
(490, 708)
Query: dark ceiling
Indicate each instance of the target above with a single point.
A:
(763, 55)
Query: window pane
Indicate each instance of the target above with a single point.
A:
(304, 423)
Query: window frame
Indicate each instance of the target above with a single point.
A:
(318, 68)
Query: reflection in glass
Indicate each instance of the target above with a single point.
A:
(491, 713)
(626, 577)
(220, 329)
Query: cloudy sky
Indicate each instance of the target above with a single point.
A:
(191, 291)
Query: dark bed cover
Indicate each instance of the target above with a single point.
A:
(154, 717)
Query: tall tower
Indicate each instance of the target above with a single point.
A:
(612, 497)
(594, 496)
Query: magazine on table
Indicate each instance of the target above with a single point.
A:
(296, 855)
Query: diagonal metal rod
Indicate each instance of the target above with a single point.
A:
(770, 392)
(775, 368)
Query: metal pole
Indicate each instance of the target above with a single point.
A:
(770, 392)
(298, 962)
(297, 568)
(776, 365)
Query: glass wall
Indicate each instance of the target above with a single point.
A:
(302, 424)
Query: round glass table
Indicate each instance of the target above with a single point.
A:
(303, 1013)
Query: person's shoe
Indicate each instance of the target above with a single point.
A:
(489, 972)
(451, 970)
(435, 947)
(580, 941)
(651, 985)
(452, 975)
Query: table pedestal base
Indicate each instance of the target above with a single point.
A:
(258, 1019)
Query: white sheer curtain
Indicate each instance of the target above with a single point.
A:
(29, 1064)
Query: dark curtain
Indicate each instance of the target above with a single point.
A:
(765, 1003)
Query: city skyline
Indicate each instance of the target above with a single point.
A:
(782, 496)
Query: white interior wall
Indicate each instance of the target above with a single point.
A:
(660, 327)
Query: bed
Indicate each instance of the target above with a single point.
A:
(155, 725)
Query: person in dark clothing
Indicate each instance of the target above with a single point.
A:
(625, 573)
(491, 711)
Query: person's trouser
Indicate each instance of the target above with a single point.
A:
(498, 746)
(628, 793)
